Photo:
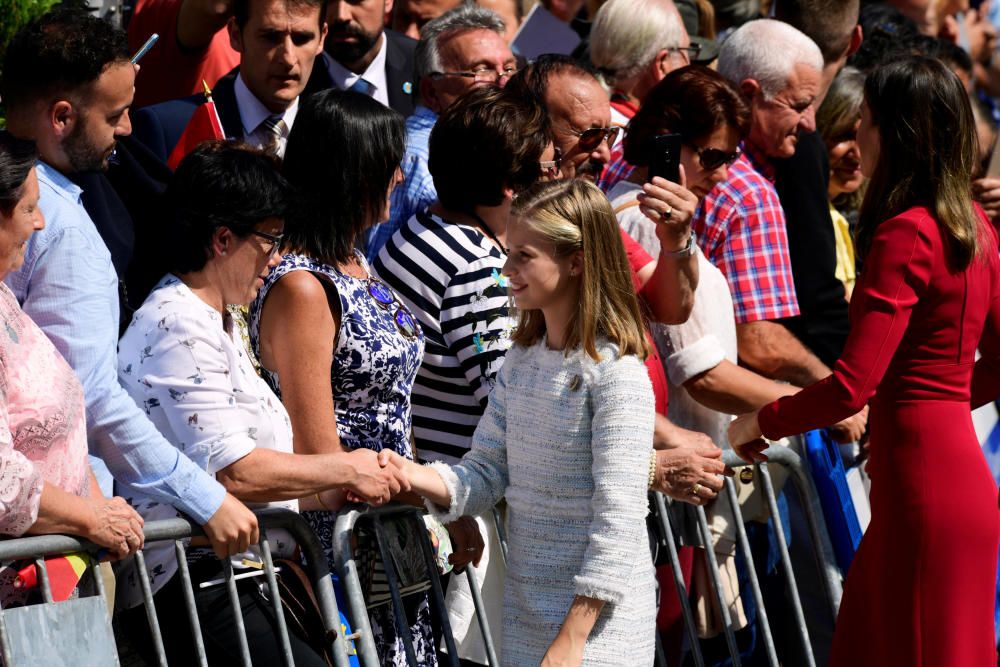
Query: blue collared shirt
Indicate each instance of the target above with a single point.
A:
(417, 191)
(68, 286)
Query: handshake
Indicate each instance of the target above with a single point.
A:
(377, 477)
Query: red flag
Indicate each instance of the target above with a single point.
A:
(203, 126)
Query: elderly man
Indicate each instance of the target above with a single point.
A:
(741, 225)
(802, 181)
(68, 85)
(460, 50)
(278, 41)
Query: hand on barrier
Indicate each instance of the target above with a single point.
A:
(851, 429)
(467, 543)
(377, 477)
(115, 525)
(232, 529)
(987, 192)
(690, 475)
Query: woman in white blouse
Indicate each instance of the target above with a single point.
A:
(183, 362)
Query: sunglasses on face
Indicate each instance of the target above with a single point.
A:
(713, 158)
(592, 138)
(385, 298)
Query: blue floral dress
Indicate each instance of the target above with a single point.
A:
(375, 362)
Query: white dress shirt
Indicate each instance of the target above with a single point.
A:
(253, 113)
(344, 78)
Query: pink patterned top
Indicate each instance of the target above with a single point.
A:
(43, 434)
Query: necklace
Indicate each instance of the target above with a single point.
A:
(485, 229)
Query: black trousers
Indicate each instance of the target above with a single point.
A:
(218, 627)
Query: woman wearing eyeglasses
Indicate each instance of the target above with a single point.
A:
(182, 361)
(334, 341)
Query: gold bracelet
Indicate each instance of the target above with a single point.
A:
(321, 503)
(652, 470)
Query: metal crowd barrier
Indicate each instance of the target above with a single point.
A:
(176, 530)
(348, 569)
(823, 552)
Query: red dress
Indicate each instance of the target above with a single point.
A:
(920, 591)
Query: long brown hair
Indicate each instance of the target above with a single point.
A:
(927, 152)
(575, 216)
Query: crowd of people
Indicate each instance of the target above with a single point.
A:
(306, 253)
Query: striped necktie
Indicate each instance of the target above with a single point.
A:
(273, 128)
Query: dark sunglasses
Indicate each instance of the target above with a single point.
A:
(385, 298)
(712, 158)
(592, 138)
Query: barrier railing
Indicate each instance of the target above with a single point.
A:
(348, 569)
(178, 529)
(823, 552)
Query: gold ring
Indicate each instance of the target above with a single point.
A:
(666, 214)
(696, 489)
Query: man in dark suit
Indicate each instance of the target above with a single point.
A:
(360, 54)
(278, 41)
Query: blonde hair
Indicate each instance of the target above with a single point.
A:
(575, 216)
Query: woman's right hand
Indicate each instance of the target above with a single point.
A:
(114, 525)
(374, 481)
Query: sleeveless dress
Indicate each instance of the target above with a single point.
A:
(374, 366)
(920, 591)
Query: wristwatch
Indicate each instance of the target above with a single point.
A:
(686, 251)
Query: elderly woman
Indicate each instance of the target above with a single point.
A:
(179, 360)
(837, 121)
(47, 484)
(334, 341)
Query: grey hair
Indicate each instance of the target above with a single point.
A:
(627, 35)
(767, 51)
(427, 57)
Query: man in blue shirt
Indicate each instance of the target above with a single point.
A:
(458, 51)
(68, 85)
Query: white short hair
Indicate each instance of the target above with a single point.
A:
(627, 35)
(767, 51)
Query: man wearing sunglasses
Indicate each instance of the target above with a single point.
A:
(460, 50)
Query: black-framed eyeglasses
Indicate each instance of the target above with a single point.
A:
(713, 158)
(274, 241)
(385, 298)
(689, 52)
(482, 74)
(550, 168)
(591, 138)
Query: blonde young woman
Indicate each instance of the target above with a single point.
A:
(567, 439)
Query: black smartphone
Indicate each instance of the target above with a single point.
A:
(665, 158)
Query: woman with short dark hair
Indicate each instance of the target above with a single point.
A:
(921, 589)
(181, 359)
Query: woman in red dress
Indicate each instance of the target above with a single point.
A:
(921, 589)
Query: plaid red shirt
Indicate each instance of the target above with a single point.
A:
(617, 169)
(740, 226)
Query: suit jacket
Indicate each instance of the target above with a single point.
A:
(159, 127)
(398, 73)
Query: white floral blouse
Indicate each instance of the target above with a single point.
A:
(180, 361)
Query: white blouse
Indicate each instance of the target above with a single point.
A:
(182, 363)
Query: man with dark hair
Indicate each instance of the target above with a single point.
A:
(360, 54)
(68, 86)
(458, 51)
(278, 41)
